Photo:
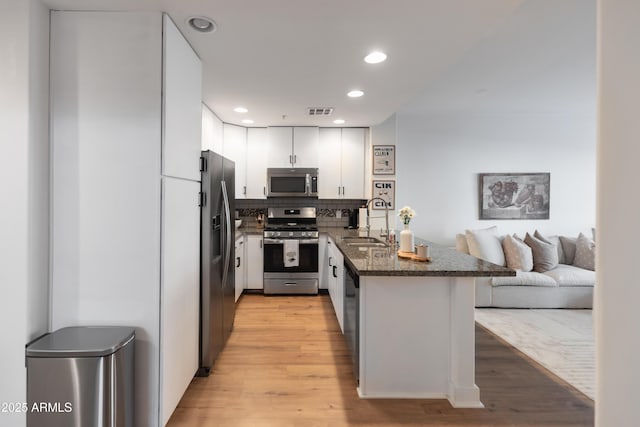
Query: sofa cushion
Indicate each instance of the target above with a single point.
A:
(517, 253)
(524, 278)
(461, 244)
(569, 248)
(569, 275)
(485, 244)
(545, 254)
(585, 253)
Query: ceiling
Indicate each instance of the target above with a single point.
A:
(279, 57)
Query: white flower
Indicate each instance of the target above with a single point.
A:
(406, 213)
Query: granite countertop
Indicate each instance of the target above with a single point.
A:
(384, 261)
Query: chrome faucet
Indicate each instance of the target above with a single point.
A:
(386, 216)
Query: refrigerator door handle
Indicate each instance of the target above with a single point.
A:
(227, 226)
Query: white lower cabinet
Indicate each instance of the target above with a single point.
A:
(240, 267)
(335, 270)
(255, 258)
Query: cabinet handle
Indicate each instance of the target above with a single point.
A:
(238, 265)
(330, 261)
(338, 191)
(295, 159)
(260, 244)
(335, 268)
(264, 190)
(244, 191)
(290, 159)
(343, 191)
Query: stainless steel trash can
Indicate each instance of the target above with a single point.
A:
(81, 377)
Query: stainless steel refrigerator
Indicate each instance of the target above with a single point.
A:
(217, 272)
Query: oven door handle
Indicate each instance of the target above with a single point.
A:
(273, 241)
(281, 241)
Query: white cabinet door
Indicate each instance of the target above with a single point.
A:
(257, 151)
(180, 290)
(235, 148)
(329, 156)
(336, 282)
(322, 262)
(305, 147)
(212, 134)
(254, 266)
(182, 106)
(240, 267)
(353, 158)
(280, 143)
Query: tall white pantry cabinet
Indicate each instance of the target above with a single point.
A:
(126, 137)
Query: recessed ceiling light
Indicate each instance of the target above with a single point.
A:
(355, 93)
(338, 121)
(202, 24)
(240, 110)
(375, 57)
(247, 121)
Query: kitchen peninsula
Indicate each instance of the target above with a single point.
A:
(414, 321)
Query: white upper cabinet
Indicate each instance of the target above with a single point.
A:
(329, 160)
(181, 106)
(280, 141)
(235, 148)
(353, 158)
(212, 133)
(293, 147)
(341, 163)
(305, 147)
(257, 150)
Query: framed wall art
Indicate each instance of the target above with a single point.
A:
(514, 195)
(384, 159)
(386, 190)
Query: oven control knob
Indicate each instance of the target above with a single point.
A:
(277, 234)
(291, 233)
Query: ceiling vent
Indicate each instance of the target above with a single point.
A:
(320, 111)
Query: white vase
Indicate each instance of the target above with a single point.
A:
(406, 239)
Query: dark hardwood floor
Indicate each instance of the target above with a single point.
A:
(286, 364)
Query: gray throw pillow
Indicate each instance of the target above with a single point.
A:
(545, 254)
(569, 248)
(554, 240)
(585, 253)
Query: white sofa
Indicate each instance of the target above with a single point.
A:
(564, 286)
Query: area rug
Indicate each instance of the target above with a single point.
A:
(560, 340)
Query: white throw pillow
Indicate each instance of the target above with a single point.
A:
(485, 244)
(585, 253)
(518, 255)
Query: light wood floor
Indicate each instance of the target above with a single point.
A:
(286, 364)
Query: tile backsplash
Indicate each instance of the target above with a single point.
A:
(327, 209)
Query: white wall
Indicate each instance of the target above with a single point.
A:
(24, 191)
(439, 159)
(618, 293)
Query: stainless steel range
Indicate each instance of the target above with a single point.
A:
(291, 251)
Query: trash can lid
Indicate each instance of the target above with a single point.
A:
(81, 341)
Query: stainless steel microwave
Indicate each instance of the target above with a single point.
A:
(289, 182)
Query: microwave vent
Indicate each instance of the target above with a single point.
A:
(320, 111)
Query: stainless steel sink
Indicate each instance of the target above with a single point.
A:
(368, 244)
(363, 241)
